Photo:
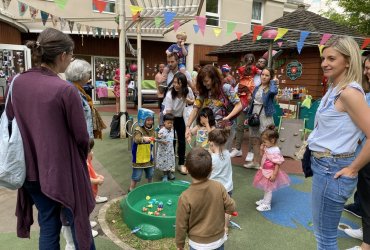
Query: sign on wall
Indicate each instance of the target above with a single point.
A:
(294, 70)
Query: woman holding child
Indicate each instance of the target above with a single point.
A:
(342, 114)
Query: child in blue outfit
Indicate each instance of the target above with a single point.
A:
(142, 148)
(179, 48)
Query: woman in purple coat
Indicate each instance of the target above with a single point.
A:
(55, 140)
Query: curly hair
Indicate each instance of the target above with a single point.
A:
(215, 75)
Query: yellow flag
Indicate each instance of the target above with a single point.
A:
(135, 9)
(320, 48)
(217, 31)
(281, 33)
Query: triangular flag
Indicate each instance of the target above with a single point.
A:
(321, 46)
(281, 33)
(54, 20)
(61, 3)
(63, 23)
(71, 24)
(196, 28)
(135, 9)
(256, 31)
(87, 29)
(238, 35)
(176, 25)
(362, 51)
(136, 16)
(217, 31)
(33, 12)
(6, 4)
(280, 43)
(157, 21)
(325, 38)
(100, 5)
(230, 27)
(99, 31)
(366, 42)
(114, 33)
(168, 17)
(44, 17)
(299, 47)
(110, 33)
(22, 8)
(93, 31)
(104, 32)
(201, 20)
(78, 26)
(303, 36)
(116, 19)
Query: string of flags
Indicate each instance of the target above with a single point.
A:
(168, 19)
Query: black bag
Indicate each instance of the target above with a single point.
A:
(306, 163)
(115, 125)
(254, 119)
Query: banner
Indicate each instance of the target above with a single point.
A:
(61, 3)
(44, 17)
(168, 17)
(325, 37)
(22, 8)
(217, 31)
(176, 25)
(281, 33)
(256, 31)
(230, 27)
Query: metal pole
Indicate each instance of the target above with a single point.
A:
(122, 65)
(269, 63)
(139, 71)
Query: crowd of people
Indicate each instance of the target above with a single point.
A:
(207, 109)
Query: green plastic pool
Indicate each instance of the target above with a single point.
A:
(140, 209)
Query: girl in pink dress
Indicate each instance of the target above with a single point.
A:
(269, 177)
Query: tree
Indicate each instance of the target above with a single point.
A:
(356, 14)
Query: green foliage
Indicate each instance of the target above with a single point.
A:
(356, 14)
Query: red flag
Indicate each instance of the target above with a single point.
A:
(238, 35)
(256, 31)
(100, 5)
(136, 16)
(366, 42)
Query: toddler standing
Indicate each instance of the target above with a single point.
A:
(205, 123)
(165, 152)
(269, 177)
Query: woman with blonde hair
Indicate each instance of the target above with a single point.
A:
(342, 115)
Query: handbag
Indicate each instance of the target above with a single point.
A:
(12, 161)
(254, 119)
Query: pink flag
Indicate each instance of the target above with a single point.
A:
(201, 20)
(366, 42)
(238, 35)
(280, 43)
(176, 25)
(325, 38)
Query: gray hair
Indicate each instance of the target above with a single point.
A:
(78, 70)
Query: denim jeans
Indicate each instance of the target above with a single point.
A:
(138, 172)
(220, 248)
(328, 198)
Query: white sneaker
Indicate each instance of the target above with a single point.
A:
(249, 157)
(354, 233)
(252, 165)
(263, 207)
(93, 223)
(94, 233)
(260, 202)
(354, 248)
(100, 199)
(235, 153)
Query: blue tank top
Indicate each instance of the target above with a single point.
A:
(334, 130)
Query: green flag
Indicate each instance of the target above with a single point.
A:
(61, 3)
(230, 27)
(157, 21)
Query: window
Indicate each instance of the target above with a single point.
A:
(109, 8)
(257, 12)
(213, 12)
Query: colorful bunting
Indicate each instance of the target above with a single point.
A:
(61, 3)
(135, 9)
(303, 35)
(78, 26)
(87, 29)
(256, 31)
(280, 44)
(100, 5)
(33, 12)
(44, 17)
(230, 27)
(217, 31)
(299, 47)
(157, 21)
(321, 47)
(201, 20)
(94, 31)
(176, 25)
(70, 25)
(104, 32)
(136, 16)
(54, 20)
(63, 23)
(196, 28)
(281, 33)
(325, 37)
(22, 8)
(238, 35)
(168, 17)
(6, 4)
(366, 42)
(114, 33)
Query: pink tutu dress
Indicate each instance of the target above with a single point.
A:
(271, 157)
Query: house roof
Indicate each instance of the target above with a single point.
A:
(296, 21)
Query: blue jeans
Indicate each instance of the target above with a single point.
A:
(328, 198)
(138, 172)
(220, 248)
(49, 214)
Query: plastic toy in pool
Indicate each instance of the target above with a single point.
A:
(151, 209)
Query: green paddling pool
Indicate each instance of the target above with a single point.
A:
(150, 210)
